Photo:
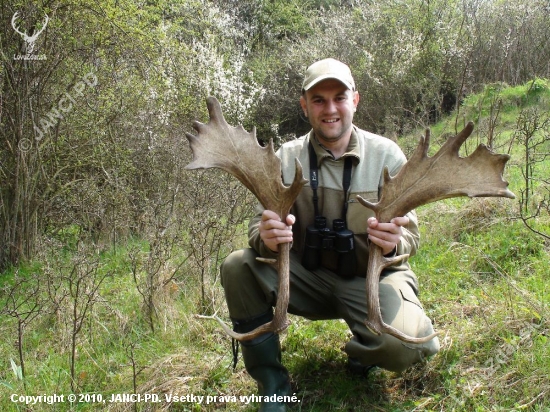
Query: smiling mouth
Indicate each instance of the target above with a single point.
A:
(330, 120)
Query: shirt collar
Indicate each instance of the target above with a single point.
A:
(323, 153)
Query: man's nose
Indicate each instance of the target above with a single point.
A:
(330, 106)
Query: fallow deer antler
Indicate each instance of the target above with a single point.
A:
(237, 152)
(423, 180)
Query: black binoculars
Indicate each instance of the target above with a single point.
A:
(319, 237)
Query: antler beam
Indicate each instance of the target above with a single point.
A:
(424, 180)
(237, 152)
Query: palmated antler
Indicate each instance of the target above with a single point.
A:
(237, 152)
(424, 180)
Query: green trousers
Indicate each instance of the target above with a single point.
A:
(251, 289)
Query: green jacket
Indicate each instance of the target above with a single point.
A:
(371, 154)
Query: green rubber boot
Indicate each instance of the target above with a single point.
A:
(262, 359)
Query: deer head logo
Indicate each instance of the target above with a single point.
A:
(29, 39)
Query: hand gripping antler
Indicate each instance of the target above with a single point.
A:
(423, 180)
(237, 152)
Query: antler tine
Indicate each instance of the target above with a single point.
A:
(456, 142)
(215, 113)
(215, 116)
(425, 143)
(423, 180)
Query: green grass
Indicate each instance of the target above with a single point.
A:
(483, 278)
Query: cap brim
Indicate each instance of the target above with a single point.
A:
(326, 77)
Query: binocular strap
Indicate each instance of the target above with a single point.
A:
(314, 181)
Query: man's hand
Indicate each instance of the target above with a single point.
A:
(273, 231)
(386, 235)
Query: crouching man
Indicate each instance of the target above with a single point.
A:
(327, 281)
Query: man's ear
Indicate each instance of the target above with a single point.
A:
(303, 104)
(355, 98)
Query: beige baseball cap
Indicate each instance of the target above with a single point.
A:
(328, 69)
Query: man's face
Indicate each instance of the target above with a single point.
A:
(330, 106)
